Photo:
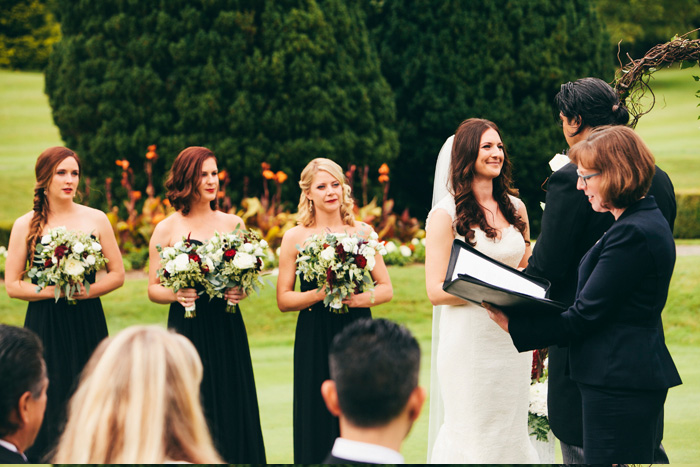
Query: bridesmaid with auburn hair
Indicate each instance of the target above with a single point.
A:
(229, 397)
(70, 333)
(325, 206)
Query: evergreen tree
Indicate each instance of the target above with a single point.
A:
(502, 60)
(28, 30)
(281, 82)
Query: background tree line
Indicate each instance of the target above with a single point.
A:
(365, 83)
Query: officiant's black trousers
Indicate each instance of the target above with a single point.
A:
(619, 425)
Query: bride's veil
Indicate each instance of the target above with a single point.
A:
(437, 412)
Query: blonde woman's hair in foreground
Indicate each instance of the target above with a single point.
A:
(306, 211)
(138, 402)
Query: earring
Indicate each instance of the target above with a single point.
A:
(311, 204)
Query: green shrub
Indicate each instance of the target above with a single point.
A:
(281, 82)
(688, 215)
(28, 30)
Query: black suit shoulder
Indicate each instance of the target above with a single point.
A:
(9, 457)
(331, 459)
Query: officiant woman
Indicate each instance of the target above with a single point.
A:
(617, 353)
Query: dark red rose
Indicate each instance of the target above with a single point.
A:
(361, 261)
(61, 251)
(205, 268)
(330, 276)
(166, 274)
(258, 264)
(48, 263)
(229, 254)
(340, 251)
(195, 257)
(357, 289)
(85, 254)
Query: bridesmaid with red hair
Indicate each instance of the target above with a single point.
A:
(69, 333)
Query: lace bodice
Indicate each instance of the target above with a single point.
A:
(509, 249)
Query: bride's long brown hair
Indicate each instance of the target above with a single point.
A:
(465, 150)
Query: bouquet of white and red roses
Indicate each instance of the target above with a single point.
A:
(340, 264)
(237, 259)
(183, 267)
(63, 258)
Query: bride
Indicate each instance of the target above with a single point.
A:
(483, 383)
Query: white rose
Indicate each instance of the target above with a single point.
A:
(349, 244)
(328, 254)
(210, 264)
(170, 267)
(244, 260)
(415, 241)
(263, 243)
(373, 235)
(178, 245)
(538, 399)
(559, 161)
(90, 259)
(78, 248)
(96, 246)
(405, 251)
(368, 252)
(218, 255)
(390, 247)
(259, 252)
(181, 262)
(46, 239)
(73, 267)
(370, 263)
(247, 248)
(336, 303)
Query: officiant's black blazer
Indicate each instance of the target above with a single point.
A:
(570, 228)
(10, 457)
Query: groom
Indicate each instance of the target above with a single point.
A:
(373, 390)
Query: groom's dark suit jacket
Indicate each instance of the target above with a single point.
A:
(10, 457)
(570, 228)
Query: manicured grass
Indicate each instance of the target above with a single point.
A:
(271, 335)
(26, 129)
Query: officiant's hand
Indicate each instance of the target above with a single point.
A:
(497, 315)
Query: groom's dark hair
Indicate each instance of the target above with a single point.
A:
(375, 366)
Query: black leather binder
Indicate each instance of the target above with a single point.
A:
(530, 299)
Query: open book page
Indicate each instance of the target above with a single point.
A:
(486, 271)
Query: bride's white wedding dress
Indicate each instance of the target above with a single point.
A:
(483, 380)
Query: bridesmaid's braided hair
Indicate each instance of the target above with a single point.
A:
(44, 170)
(465, 150)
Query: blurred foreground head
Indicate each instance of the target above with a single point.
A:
(138, 402)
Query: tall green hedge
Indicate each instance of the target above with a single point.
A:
(282, 82)
(28, 30)
(503, 60)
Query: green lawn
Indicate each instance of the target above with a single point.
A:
(271, 335)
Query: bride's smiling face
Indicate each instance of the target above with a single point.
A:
(489, 161)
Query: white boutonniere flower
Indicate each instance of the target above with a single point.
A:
(559, 161)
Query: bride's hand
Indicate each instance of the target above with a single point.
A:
(497, 315)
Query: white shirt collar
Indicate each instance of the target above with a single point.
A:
(365, 452)
(11, 447)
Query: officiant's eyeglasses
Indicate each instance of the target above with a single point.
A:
(584, 178)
